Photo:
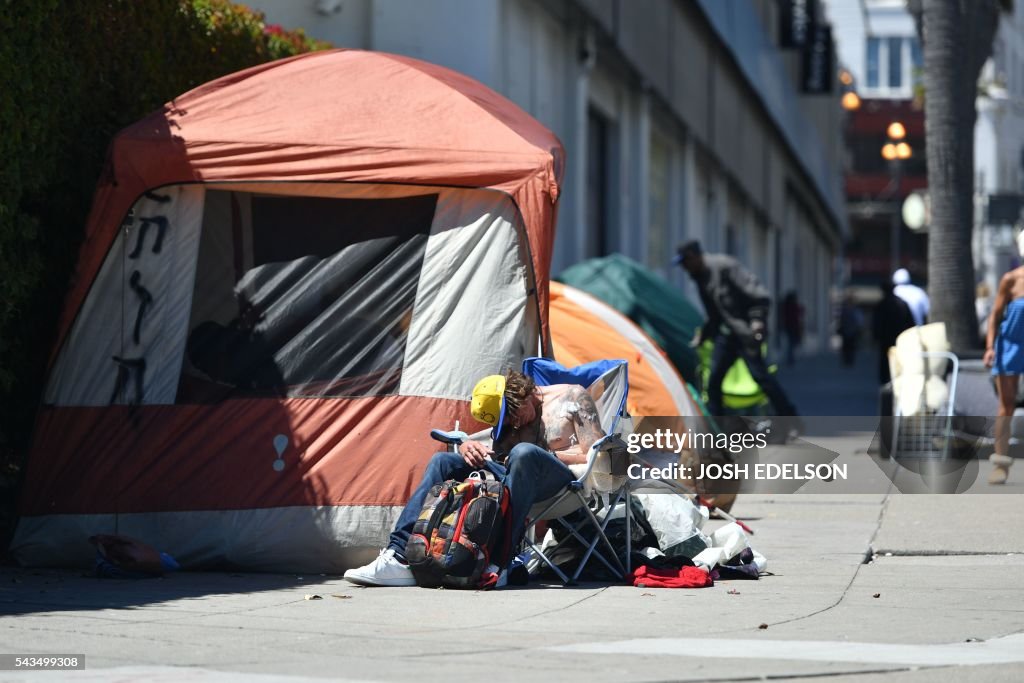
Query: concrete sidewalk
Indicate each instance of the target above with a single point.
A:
(931, 599)
(822, 385)
(862, 587)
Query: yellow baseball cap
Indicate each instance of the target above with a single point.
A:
(488, 403)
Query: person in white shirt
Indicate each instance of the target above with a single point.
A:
(916, 298)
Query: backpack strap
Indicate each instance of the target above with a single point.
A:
(482, 475)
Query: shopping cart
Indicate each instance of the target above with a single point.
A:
(923, 408)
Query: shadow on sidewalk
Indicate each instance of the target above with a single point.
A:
(30, 591)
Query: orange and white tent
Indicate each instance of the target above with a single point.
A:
(585, 329)
(290, 275)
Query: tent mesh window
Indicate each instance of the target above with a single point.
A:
(303, 296)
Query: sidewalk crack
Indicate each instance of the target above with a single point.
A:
(868, 553)
(887, 552)
(814, 674)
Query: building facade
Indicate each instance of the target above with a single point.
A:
(999, 152)
(681, 120)
(879, 48)
(878, 44)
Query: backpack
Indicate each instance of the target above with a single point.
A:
(463, 528)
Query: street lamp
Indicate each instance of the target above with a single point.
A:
(895, 151)
(896, 131)
(850, 100)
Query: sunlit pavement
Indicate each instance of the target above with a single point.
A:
(862, 587)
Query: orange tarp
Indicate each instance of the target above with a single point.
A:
(585, 333)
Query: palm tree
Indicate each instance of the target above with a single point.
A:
(957, 38)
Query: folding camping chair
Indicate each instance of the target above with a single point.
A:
(602, 477)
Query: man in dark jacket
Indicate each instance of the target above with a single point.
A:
(737, 306)
(892, 315)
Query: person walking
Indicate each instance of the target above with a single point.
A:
(1004, 353)
(737, 306)
(851, 324)
(891, 316)
(792, 315)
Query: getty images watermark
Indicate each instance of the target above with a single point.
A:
(669, 441)
(841, 454)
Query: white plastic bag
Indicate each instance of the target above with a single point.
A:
(726, 542)
(674, 519)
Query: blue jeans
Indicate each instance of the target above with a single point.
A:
(531, 474)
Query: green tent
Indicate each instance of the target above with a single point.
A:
(668, 318)
(657, 307)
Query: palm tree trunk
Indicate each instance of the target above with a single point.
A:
(957, 41)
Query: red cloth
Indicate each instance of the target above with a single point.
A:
(685, 577)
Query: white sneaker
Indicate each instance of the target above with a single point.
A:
(386, 570)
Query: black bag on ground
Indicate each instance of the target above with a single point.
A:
(463, 528)
(569, 554)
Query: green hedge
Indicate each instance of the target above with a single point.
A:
(71, 75)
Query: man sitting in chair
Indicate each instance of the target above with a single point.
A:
(538, 431)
